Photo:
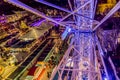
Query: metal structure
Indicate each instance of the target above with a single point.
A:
(80, 60)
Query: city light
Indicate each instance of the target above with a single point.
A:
(105, 78)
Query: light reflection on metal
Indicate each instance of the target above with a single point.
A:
(67, 30)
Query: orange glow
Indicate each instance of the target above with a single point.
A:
(42, 72)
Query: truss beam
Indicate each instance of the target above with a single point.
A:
(74, 11)
(62, 9)
(32, 10)
(111, 12)
(79, 58)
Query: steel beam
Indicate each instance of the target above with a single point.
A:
(70, 5)
(111, 12)
(75, 11)
(62, 9)
(101, 55)
(38, 13)
(53, 5)
(82, 45)
(32, 10)
(61, 62)
(114, 69)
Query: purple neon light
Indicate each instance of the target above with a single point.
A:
(38, 23)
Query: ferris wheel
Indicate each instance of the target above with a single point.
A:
(80, 60)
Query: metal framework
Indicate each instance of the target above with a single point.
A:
(80, 60)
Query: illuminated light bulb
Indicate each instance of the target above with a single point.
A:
(69, 29)
(105, 78)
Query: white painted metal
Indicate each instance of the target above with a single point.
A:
(80, 54)
(81, 61)
(63, 9)
(75, 11)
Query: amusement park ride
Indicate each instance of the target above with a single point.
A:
(80, 61)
